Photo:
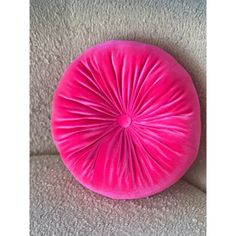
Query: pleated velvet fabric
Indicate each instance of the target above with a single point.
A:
(126, 119)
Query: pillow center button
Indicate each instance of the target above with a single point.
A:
(124, 121)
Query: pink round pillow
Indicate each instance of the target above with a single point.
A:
(126, 119)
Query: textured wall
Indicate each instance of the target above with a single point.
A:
(60, 30)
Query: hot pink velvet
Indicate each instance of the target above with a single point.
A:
(126, 119)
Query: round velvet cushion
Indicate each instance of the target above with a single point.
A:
(126, 119)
